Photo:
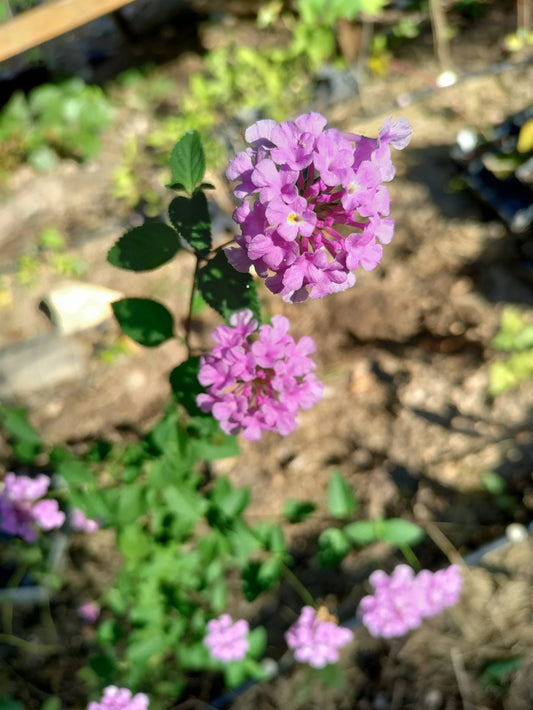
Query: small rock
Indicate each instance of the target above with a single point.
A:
(39, 364)
(74, 306)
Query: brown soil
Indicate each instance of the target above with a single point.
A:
(404, 356)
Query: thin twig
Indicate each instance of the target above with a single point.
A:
(440, 37)
(462, 678)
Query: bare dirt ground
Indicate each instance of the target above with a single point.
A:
(404, 355)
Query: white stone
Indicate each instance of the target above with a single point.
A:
(74, 306)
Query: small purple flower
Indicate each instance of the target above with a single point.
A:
(257, 383)
(89, 612)
(402, 600)
(80, 522)
(23, 510)
(120, 699)
(316, 637)
(227, 640)
(299, 183)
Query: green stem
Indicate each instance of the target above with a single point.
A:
(29, 645)
(298, 587)
(7, 609)
(188, 322)
(410, 556)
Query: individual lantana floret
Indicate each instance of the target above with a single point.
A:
(227, 640)
(81, 523)
(89, 612)
(257, 378)
(313, 204)
(316, 637)
(23, 510)
(120, 699)
(402, 600)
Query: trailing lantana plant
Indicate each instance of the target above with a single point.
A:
(312, 209)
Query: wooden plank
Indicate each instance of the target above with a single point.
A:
(47, 21)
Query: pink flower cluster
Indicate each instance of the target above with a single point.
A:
(23, 510)
(227, 641)
(257, 384)
(306, 183)
(316, 638)
(120, 699)
(400, 602)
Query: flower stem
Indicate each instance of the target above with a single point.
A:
(298, 587)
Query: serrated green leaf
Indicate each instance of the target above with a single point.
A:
(145, 248)
(341, 501)
(185, 385)
(399, 532)
(190, 216)
(296, 511)
(187, 161)
(227, 290)
(361, 533)
(144, 320)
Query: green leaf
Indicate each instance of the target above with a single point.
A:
(76, 472)
(131, 504)
(144, 248)
(108, 632)
(227, 290)
(190, 216)
(493, 483)
(361, 533)
(187, 504)
(497, 673)
(134, 543)
(185, 385)
(208, 442)
(143, 320)
(257, 577)
(333, 545)
(187, 161)
(399, 532)
(18, 425)
(146, 647)
(296, 511)
(340, 499)
(235, 673)
(258, 641)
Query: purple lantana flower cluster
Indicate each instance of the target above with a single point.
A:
(24, 510)
(316, 637)
(227, 640)
(120, 699)
(257, 377)
(402, 600)
(313, 204)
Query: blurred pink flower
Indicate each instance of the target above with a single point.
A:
(316, 637)
(402, 600)
(23, 510)
(89, 612)
(120, 699)
(227, 640)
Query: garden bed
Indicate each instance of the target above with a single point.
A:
(407, 417)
